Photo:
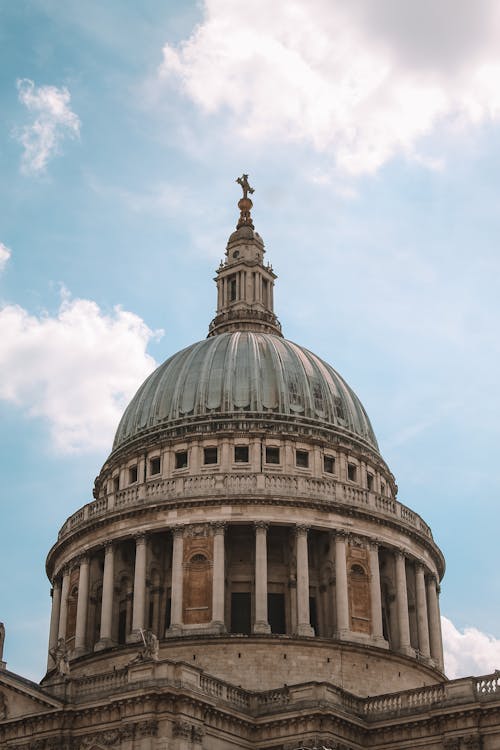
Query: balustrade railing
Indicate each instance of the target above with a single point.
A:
(241, 485)
(182, 676)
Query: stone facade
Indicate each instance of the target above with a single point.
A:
(245, 575)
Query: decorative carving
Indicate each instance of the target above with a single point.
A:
(193, 732)
(218, 527)
(261, 525)
(3, 707)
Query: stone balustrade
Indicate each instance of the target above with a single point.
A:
(241, 486)
(177, 675)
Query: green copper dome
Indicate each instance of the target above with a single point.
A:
(243, 373)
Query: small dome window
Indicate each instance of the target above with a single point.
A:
(357, 571)
(198, 558)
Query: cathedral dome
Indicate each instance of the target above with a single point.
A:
(245, 372)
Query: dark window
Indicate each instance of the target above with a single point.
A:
(329, 464)
(132, 474)
(181, 460)
(116, 483)
(351, 472)
(382, 488)
(168, 610)
(276, 612)
(272, 455)
(241, 454)
(122, 625)
(210, 455)
(232, 288)
(302, 459)
(241, 613)
(154, 465)
(313, 614)
(357, 570)
(150, 614)
(369, 481)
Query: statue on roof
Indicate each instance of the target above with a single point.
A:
(243, 181)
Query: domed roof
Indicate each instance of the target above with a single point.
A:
(245, 372)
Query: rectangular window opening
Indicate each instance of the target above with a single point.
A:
(351, 472)
(210, 455)
(155, 465)
(116, 483)
(329, 464)
(232, 288)
(369, 481)
(132, 474)
(181, 459)
(241, 610)
(272, 454)
(302, 459)
(241, 454)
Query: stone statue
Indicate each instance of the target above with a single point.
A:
(60, 656)
(151, 645)
(243, 181)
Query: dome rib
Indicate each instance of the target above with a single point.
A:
(244, 371)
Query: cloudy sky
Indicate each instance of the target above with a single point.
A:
(371, 133)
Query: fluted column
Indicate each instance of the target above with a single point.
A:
(177, 574)
(108, 578)
(54, 620)
(218, 578)
(63, 610)
(375, 593)
(341, 590)
(261, 624)
(402, 603)
(422, 617)
(139, 600)
(303, 614)
(436, 642)
(82, 607)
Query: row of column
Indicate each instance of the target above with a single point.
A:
(427, 603)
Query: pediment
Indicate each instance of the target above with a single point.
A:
(21, 697)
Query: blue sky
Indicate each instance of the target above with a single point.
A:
(373, 143)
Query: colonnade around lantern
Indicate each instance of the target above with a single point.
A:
(358, 585)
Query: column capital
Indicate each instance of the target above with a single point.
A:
(301, 529)
(140, 537)
(419, 566)
(374, 544)
(399, 553)
(218, 527)
(81, 559)
(263, 525)
(177, 531)
(340, 533)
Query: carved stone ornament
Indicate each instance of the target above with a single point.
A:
(197, 529)
(193, 732)
(3, 707)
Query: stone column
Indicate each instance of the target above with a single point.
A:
(375, 593)
(436, 643)
(54, 620)
(303, 614)
(63, 610)
(422, 618)
(341, 590)
(139, 601)
(402, 604)
(177, 576)
(261, 624)
(82, 608)
(105, 636)
(218, 578)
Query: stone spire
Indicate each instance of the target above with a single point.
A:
(245, 300)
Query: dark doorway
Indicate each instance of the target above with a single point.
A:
(241, 613)
(313, 617)
(122, 625)
(276, 612)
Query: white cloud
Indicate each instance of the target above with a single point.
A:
(53, 121)
(361, 82)
(77, 369)
(5, 254)
(470, 652)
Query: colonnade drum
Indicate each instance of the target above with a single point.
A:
(246, 518)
